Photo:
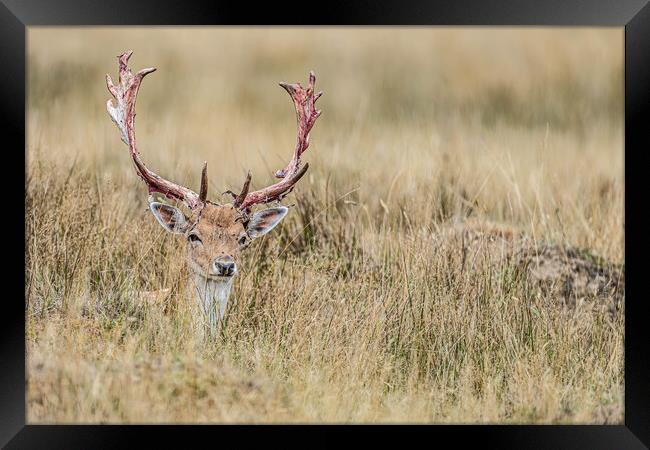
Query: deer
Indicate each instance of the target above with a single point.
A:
(215, 234)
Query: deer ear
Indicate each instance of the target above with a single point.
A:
(172, 219)
(264, 221)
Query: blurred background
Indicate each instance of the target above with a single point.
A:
(397, 100)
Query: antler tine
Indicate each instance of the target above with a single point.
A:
(244, 192)
(306, 114)
(123, 114)
(203, 194)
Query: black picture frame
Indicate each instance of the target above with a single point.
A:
(634, 15)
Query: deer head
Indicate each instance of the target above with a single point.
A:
(215, 233)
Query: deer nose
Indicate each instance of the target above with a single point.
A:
(225, 266)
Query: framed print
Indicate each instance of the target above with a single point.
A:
(377, 215)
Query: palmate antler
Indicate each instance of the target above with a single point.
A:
(306, 114)
(123, 114)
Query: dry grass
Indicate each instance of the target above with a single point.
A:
(356, 309)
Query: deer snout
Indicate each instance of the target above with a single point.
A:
(225, 266)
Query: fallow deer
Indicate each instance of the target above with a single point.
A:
(215, 233)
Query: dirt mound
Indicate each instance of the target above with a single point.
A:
(566, 273)
(573, 273)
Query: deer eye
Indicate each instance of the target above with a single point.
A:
(193, 237)
(242, 239)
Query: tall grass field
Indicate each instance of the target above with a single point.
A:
(361, 306)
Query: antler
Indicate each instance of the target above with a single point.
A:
(123, 114)
(306, 115)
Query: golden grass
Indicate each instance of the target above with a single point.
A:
(352, 310)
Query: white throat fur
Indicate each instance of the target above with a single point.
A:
(212, 297)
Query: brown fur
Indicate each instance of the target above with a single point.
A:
(219, 227)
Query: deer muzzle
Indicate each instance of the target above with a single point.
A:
(224, 266)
